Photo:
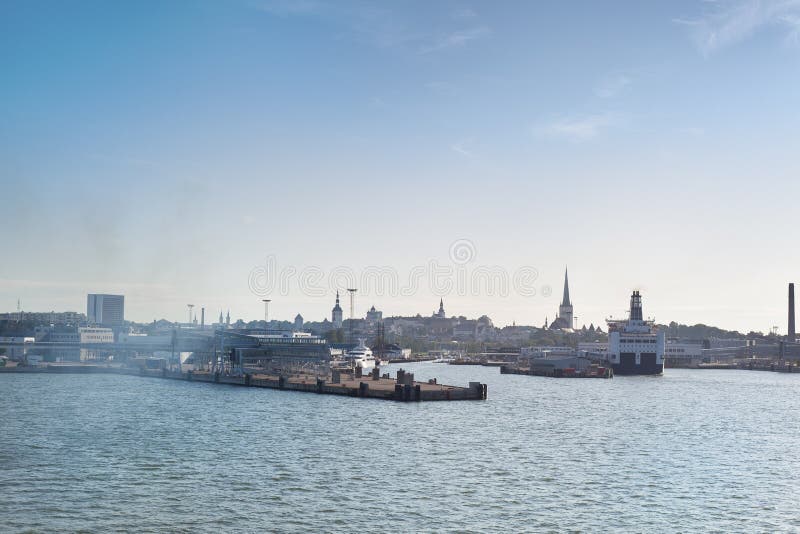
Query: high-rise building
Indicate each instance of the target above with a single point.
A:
(105, 309)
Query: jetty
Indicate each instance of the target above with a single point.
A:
(402, 388)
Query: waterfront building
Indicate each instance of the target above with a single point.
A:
(336, 313)
(466, 330)
(374, 316)
(546, 352)
(298, 322)
(95, 335)
(596, 349)
(391, 351)
(45, 318)
(281, 350)
(69, 336)
(105, 309)
(683, 354)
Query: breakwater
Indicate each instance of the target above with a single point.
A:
(402, 388)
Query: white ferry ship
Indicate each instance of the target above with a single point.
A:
(635, 346)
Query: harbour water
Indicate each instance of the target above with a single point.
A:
(691, 450)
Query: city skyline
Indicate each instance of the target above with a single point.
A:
(359, 315)
(164, 152)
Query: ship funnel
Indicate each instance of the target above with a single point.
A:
(791, 313)
(636, 306)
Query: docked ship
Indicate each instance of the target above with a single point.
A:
(361, 356)
(635, 345)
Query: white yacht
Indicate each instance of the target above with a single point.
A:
(361, 355)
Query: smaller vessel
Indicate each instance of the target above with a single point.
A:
(361, 356)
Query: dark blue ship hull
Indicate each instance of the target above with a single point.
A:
(647, 365)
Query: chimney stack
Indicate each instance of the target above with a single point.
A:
(791, 313)
(202, 318)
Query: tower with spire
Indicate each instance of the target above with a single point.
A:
(440, 314)
(564, 319)
(565, 310)
(336, 313)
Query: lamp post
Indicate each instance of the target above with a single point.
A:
(266, 313)
(352, 292)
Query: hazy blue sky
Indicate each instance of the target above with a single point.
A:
(165, 150)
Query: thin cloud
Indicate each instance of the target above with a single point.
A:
(612, 86)
(573, 128)
(377, 102)
(456, 39)
(460, 148)
(377, 24)
(464, 13)
(732, 22)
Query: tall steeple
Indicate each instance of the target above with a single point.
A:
(565, 309)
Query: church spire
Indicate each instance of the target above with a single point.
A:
(441, 313)
(565, 301)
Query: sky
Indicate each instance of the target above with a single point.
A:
(220, 153)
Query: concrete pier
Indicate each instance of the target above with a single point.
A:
(371, 386)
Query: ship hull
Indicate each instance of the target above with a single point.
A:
(647, 369)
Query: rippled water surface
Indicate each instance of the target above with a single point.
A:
(692, 450)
